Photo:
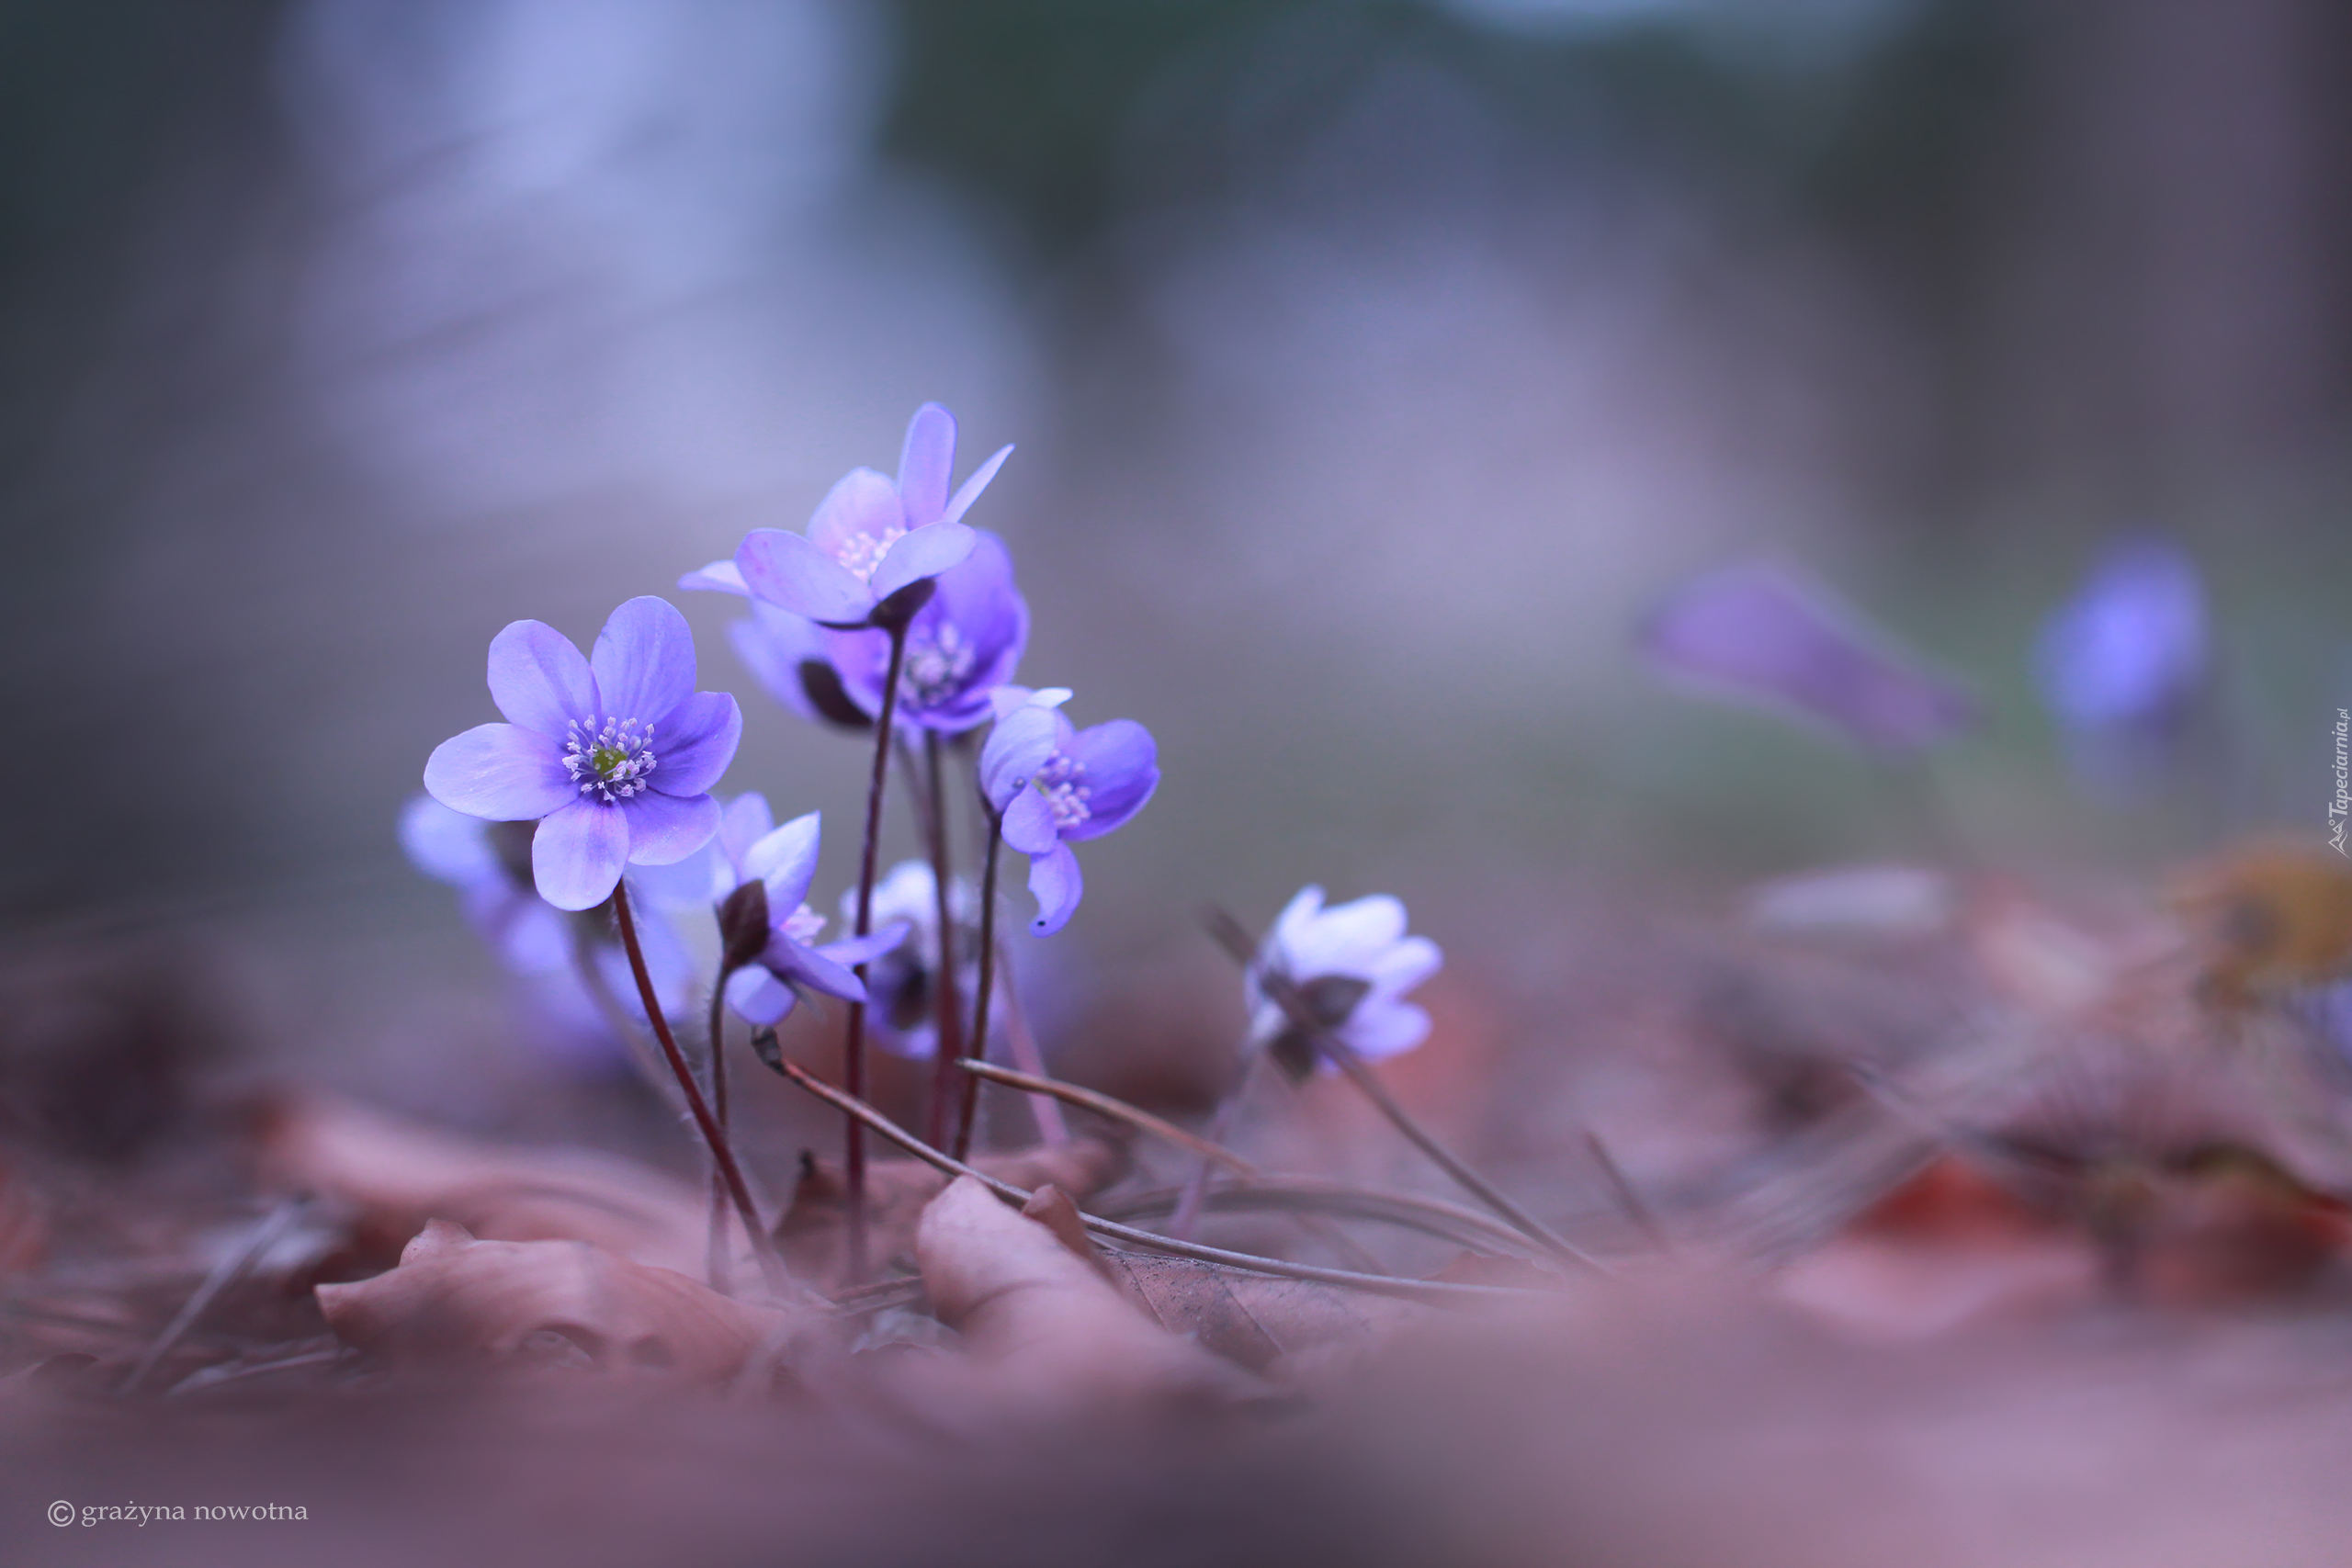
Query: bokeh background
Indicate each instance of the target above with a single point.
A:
(1375, 365)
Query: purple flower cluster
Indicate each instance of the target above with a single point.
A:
(613, 755)
(612, 759)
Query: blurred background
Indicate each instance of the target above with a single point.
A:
(1375, 366)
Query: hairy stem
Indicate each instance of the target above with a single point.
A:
(722, 1154)
(987, 984)
(1117, 1110)
(946, 1004)
(854, 1036)
(714, 1262)
(1052, 1128)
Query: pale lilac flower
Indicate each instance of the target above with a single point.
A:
(1759, 635)
(2121, 663)
(793, 963)
(902, 984)
(960, 646)
(870, 538)
(613, 754)
(1053, 785)
(1352, 964)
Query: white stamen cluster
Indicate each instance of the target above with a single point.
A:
(937, 667)
(1062, 781)
(609, 762)
(863, 552)
(803, 925)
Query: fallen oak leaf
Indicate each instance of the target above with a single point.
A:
(454, 1295)
(1049, 1332)
(398, 1175)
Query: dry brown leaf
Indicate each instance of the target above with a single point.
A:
(1282, 1328)
(561, 1302)
(1944, 1247)
(810, 1234)
(1047, 1331)
(399, 1175)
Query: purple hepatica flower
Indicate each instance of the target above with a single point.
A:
(614, 754)
(960, 646)
(2121, 663)
(1052, 786)
(1756, 634)
(1352, 964)
(870, 538)
(793, 963)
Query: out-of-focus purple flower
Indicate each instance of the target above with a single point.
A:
(489, 866)
(792, 962)
(1757, 634)
(870, 537)
(1352, 964)
(902, 984)
(2120, 664)
(1053, 785)
(613, 754)
(963, 644)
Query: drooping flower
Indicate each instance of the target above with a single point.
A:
(902, 984)
(613, 755)
(2121, 663)
(871, 538)
(1759, 635)
(1352, 965)
(790, 962)
(1052, 786)
(960, 646)
(489, 866)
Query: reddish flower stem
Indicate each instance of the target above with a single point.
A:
(715, 1261)
(946, 1085)
(980, 1047)
(854, 1036)
(722, 1154)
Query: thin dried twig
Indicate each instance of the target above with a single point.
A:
(1211, 1152)
(1117, 1109)
(1629, 1199)
(1303, 1195)
(1434, 1291)
(225, 1273)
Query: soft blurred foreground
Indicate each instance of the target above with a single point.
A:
(1800, 540)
